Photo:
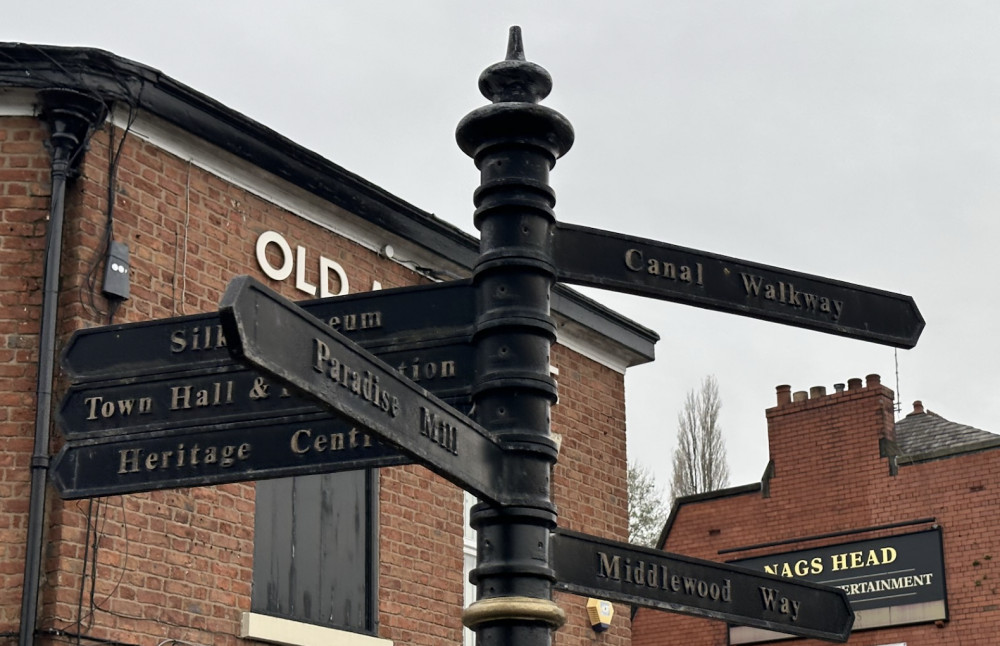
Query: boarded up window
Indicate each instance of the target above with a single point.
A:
(314, 551)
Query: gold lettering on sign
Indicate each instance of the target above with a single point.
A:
(353, 322)
(658, 576)
(786, 294)
(205, 337)
(637, 262)
(416, 370)
(218, 393)
(138, 459)
(854, 560)
(100, 408)
(773, 601)
(197, 338)
(303, 441)
(363, 385)
(801, 567)
(439, 431)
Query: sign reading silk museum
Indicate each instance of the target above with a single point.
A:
(889, 581)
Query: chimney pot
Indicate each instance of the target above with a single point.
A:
(873, 380)
(817, 391)
(839, 387)
(853, 383)
(800, 396)
(918, 407)
(784, 394)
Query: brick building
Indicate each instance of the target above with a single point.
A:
(95, 149)
(899, 514)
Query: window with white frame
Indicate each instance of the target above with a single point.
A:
(469, 562)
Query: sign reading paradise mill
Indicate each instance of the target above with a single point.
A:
(266, 388)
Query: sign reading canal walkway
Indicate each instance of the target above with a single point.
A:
(595, 567)
(625, 263)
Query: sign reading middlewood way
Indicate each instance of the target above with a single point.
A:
(626, 573)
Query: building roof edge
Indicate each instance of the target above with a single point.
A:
(116, 79)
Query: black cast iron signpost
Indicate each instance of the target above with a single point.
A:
(146, 419)
(507, 460)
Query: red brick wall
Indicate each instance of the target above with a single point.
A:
(828, 477)
(24, 208)
(420, 565)
(589, 484)
(178, 564)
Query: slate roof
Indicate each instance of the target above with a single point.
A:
(925, 435)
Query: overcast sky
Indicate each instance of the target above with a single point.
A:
(856, 140)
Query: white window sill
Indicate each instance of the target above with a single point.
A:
(297, 633)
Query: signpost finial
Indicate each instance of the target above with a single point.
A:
(515, 79)
(515, 46)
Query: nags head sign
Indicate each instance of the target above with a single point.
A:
(889, 581)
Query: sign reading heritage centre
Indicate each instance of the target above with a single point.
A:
(596, 258)
(591, 566)
(217, 454)
(270, 333)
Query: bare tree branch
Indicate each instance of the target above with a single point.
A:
(700, 457)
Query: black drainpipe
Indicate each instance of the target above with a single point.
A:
(71, 117)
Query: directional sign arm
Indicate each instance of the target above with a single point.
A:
(591, 566)
(216, 454)
(616, 261)
(404, 317)
(270, 333)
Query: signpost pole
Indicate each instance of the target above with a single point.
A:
(515, 142)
